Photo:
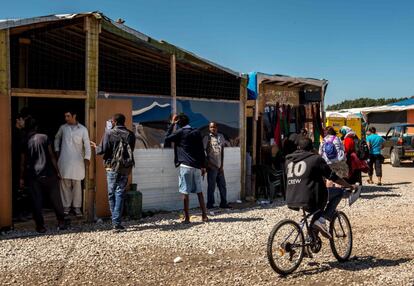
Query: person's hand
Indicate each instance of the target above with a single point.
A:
(221, 169)
(21, 184)
(203, 172)
(174, 119)
(93, 144)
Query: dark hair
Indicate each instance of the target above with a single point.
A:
(24, 113)
(30, 124)
(330, 131)
(305, 144)
(119, 119)
(183, 120)
(372, 130)
(72, 112)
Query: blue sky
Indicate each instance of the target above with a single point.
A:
(364, 48)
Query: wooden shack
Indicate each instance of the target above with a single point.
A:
(99, 67)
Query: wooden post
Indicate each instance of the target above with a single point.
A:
(174, 83)
(322, 106)
(92, 28)
(242, 132)
(5, 133)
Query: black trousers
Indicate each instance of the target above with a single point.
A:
(375, 160)
(48, 186)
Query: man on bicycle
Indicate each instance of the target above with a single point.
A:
(306, 173)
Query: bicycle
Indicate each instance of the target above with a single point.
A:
(292, 244)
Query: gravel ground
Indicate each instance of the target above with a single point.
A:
(229, 250)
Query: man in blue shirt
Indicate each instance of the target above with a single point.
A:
(375, 145)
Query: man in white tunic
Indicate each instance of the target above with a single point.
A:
(73, 148)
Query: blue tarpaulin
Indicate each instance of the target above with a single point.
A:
(409, 101)
(252, 86)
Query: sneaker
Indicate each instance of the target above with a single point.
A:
(41, 229)
(320, 225)
(78, 212)
(355, 195)
(226, 206)
(62, 225)
(119, 228)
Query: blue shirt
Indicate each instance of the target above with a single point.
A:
(375, 142)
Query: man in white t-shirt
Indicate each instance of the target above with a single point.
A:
(73, 148)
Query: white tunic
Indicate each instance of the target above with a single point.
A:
(73, 143)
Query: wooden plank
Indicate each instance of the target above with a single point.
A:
(105, 109)
(174, 83)
(5, 133)
(48, 93)
(92, 29)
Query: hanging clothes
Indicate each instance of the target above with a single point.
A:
(285, 121)
(267, 122)
(278, 127)
(288, 118)
(319, 119)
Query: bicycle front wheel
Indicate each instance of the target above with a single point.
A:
(285, 247)
(341, 236)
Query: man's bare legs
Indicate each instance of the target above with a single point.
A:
(202, 207)
(186, 199)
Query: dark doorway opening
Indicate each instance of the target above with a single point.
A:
(49, 114)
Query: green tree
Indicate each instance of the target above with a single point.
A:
(363, 102)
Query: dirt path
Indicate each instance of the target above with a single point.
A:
(230, 250)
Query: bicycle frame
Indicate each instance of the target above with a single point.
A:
(304, 222)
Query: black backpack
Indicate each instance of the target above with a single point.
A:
(363, 150)
(122, 156)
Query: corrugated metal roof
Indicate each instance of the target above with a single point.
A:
(13, 23)
(268, 78)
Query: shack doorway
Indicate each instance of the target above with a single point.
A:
(49, 114)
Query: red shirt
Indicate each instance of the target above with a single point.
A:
(349, 145)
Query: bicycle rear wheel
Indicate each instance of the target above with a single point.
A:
(341, 233)
(285, 247)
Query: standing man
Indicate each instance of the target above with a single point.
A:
(117, 147)
(73, 149)
(214, 148)
(39, 171)
(190, 157)
(375, 145)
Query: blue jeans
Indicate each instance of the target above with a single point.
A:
(116, 192)
(215, 176)
(335, 196)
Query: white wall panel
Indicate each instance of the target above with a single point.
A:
(157, 178)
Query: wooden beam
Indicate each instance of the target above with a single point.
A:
(48, 93)
(292, 84)
(92, 28)
(5, 133)
(243, 150)
(174, 83)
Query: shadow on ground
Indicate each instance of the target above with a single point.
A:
(355, 264)
(132, 226)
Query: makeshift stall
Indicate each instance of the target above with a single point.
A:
(282, 105)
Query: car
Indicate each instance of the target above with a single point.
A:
(399, 144)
